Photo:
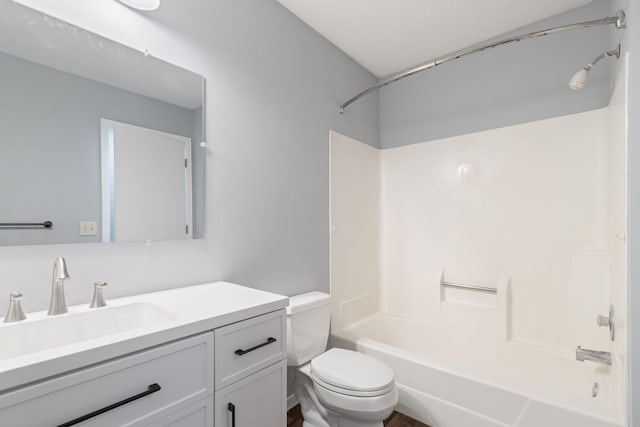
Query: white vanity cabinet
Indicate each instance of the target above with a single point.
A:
(215, 358)
(233, 376)
(251, 372)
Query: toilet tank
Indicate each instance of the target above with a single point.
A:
(308, 317)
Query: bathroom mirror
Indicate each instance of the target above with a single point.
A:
(99, 142)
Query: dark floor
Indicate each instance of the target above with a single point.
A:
(401, 420)
(294, 419)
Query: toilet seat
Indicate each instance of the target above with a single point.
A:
(352, 374)
(353, 393)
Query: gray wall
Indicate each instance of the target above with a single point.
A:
(511, 84)
(50, 150)
(276, 99)
(273, 89)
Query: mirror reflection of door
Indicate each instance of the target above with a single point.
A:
(146, 184)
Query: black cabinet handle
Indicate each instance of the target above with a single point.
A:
(150, 390)
(232, 408)
(269, 340)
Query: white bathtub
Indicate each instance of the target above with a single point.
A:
(462, 377)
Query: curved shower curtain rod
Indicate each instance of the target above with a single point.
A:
(618, 20)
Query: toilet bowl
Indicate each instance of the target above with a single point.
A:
(335, 388)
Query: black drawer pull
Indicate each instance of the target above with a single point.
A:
(232, 408)
(152, 389)
(269, 340)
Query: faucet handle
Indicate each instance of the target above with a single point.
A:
(98, 298)
(608, 322)
(603, 321)
(14, 313)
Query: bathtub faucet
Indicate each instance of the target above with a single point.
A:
(603, 357)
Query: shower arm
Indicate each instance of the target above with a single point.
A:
(609, 54)
(618, 20)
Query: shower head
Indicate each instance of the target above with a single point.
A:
(579, 79)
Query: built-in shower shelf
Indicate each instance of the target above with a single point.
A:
(467, 302)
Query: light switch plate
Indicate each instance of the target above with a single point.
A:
(88, 228)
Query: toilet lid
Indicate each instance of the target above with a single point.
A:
(352, 371)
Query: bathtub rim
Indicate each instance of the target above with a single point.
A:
(416, 358)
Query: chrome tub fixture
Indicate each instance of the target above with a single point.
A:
(583, 354)
(58, 305)
(609, 322)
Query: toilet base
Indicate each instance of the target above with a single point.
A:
(345, 422)
(315, 414)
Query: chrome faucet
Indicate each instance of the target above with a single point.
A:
(583, 354)
(14, 313)
(58, 305)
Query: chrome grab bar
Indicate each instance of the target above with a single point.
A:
(469, 287)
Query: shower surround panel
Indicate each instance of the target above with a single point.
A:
(527, 202)
(533, 209)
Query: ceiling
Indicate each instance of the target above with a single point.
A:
(388, 36)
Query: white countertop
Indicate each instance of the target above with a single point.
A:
(197, 309)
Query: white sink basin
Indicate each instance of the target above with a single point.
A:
(22, 338)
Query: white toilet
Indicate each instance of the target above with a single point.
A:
(336, 388)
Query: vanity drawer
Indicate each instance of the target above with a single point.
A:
(245, 347)
(183, 371)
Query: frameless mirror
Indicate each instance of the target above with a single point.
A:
(99, 142)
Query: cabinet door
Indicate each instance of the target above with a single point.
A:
(123, 392)
(258, 400)
(199, 414)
